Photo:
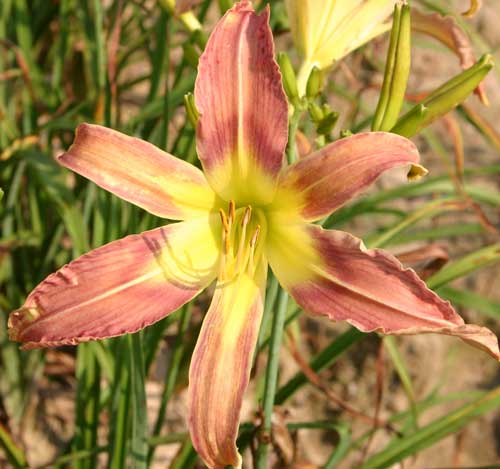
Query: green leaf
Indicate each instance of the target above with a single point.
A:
(139, 442)
(14, 454)
(466, 265)
(450, 423)
(402, 371)
(471, 300)
(427, 211)
(87, 403)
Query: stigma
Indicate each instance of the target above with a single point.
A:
(241, 233)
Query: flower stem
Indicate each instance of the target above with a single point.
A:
(271, 379)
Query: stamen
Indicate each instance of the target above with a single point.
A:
(246, 216)
(224, 220)
(223, 257)
(232, 212)
(239, 248)
(253, 243)
(255, 236)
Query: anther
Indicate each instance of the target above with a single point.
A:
(232, 211)
(246, 216)
(224, 220)
(255, 237)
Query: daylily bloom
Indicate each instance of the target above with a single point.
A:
(324, 31)
(245, 211)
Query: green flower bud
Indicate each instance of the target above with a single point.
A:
(397, 70)
(327, 123)
(444, 99)
(191, 54)
(289, 79)
(314, 83)
(315, 112)
(191, 111)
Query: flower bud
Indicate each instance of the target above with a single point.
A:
(397, 70)
(191, 54)
(444, 99)
(314, 83)
(315, 112)
(191, 111)
(289, 80)
(328, 123)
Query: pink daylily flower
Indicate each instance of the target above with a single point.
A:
(246, 211)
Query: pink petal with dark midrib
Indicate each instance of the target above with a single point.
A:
(371, 290)
(240, 97)
(118, 288)
(332, 176)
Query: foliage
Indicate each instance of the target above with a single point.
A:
(129, 65)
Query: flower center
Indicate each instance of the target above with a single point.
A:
(242, 231)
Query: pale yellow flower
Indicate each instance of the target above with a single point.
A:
(324, 31)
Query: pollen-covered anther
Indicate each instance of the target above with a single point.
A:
(232, 213)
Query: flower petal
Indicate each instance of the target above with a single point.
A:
(320, 183)
(139, 172)
(325, 31)
(331, 273)
(220, 367)
(242, 130)
(121, 287)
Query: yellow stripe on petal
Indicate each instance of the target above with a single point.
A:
(140, 173)
(221, 364)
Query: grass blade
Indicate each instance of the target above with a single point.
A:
(139, 442)
(448, 424)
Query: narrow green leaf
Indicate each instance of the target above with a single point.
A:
(466, 265)
(120, 407)
(14, 454)
(87, 404)
(139, 442)
(450, 423)
(171, 375)
(342, 447)
(272, 377)
(472, 300)
(429, 210)
(402, 371)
